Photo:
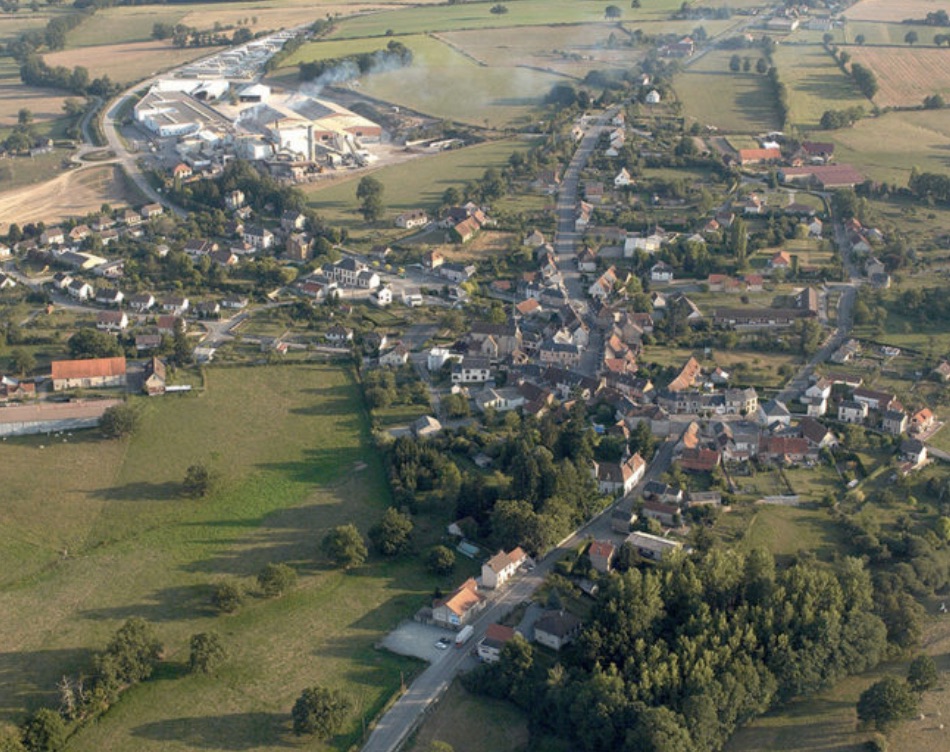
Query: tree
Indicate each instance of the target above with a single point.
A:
(44, 731)
(859, 39)
(11, 739)
(276, 579)
(228, 597)
(735, 63)
(441, 560)
(911, 37)
(390, 536)
(131, 655)
(865, 80)
(119, 420)
(344, 546)
(370, 193)
(922, 673)
(23, 362)
(197, 481)
(91, 343)
(319, 711)
(613, 12)
(761, 66)
(24, 117)
(498, 9)
(886, 702)
(740, 241)
(207, 652)
(634, 3)
(934, 102)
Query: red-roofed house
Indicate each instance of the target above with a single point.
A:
(459, 606)
(601, 555)
(490, 646)
(88, 374)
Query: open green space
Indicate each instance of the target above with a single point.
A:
(888, 146)
(123, 24)
(815, 84)
(876, 33)
(97, 531)
(760, 368)
(418, 183)
(479, 16)
(783, 530)
(714, 95)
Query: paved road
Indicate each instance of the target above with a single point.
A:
(401, 719)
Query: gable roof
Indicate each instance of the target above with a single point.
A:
(462, 599)
(88, 369)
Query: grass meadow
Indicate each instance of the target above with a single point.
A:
(714, 95)
(815, 83)
(96, 531)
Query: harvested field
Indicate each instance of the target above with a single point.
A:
(75, 193)
(906, 75)
(888, 10)
(45, 104)
(815, 84)
(128, 62)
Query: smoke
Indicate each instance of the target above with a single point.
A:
(345, 71)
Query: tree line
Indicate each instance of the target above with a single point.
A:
(337, 69)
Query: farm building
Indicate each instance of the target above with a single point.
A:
(88, 374)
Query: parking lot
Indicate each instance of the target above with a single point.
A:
(419, 641)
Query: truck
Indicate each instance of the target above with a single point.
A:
(463, 636)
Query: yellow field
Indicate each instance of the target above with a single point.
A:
(889, 10)
(128, 62)
(905, 75)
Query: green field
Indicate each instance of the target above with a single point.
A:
(876, 33)
(714, 95)
(96, 531)
(815, 83)
(478, 16)
(124, 24)
(419, 183)
(887, 147)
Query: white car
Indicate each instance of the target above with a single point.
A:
(442, 643)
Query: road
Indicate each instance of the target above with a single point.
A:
(401, 719)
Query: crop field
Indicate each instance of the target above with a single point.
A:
(906, 75)
(96, 531)
(418, 183)
(891, 34)
(714, 95)
(70, 194)
(130, 61)
(887, 147)
(815, 84)
(889, 11)
(478, 16)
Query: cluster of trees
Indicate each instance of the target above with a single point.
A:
(737, 63)
(35, 72)
(865, 80)
(677, 658)
(383, 387)
(369, 192)
(932, 185)
(23, 135)
(188, 36)
(780, 92)
(934, 102)
(934, 18)
(834, 119)
(339, 69)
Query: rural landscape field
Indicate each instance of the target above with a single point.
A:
(475, 375)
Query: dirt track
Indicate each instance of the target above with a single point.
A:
(71, 194)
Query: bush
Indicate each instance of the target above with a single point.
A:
(319, 711)
(344, 546)
(120, 420)
(44, 731)
(275, 579)
(228, 597)
(390, 536)
(207, 652)
(441, 560)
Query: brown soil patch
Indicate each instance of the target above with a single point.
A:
(888, 10)
(73, 194)
(905, 75)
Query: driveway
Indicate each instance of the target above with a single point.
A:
(418, 641)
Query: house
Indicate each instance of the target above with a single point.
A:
(623, 179)
(652, 547)
(154, 377)
(472, 371)
(53, 236)
(458, 607)
(433, 260)
(411, 219)
(169, 324)
(199, 247)
(339, 335)
(145, 342)
(208, 309)
(941, 372)
(130, 218)
(426, 426)
(457, 272)
(396, 357)
(150, 211)
(297, 247)
(79, 233)
(490, 646)
(80, 290)
(619, 477)
(922, 420)
(759, 156)
(894, 422)
(502, 567)
(367, 280)
(234, 200)
(292, 221)
(142, 301)
(382, 296)
(601, 555)
(652, 97)
(587, 260)
(109, 296)
(62, 280)
(91, 373)
(913, 452)
(785, 449)
(700, 459)
(6, 281)
(112, 321)
(235, 302)
(346, 271)
(621, 520)
(875, 400)
(562, 354)
(816, 434)
(687, 377)
(175, 305)
(259, 237)
(667, 515)
(774, 411)
(851, 411)
(661, 272)
(555, 629)
(781, 260)
(182, 171)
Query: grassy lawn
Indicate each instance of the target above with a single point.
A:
(96, 532)
(16, 172)
(761, 368)
(460, 720)
(782, 530)
(714, 95)
(815, 83)
(419, 183)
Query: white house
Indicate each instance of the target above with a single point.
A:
(619, 477)
(661, 272)
(653, 97)
(383, 296)
(501, 567)
(472, 371)
(80, 290)
(437, 358)
(852, 411)
(623, 179)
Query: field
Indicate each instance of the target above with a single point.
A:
(887, 147)
(761, 368)
(714, 95)
(888, 10)
(783, 530)
(478, 16)
(815, 84)
(459, 720)
(905, 75)
(128, 62)
(96, 531)
(418, 183)
(71, 194)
